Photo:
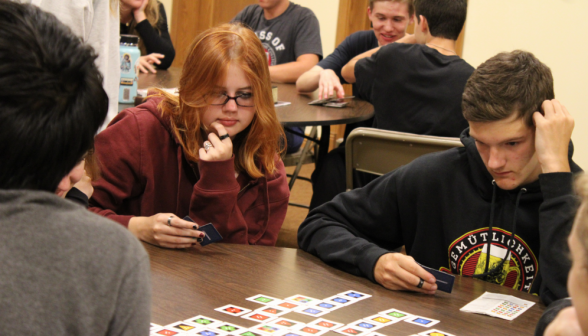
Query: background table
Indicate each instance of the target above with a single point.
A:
(297, 114)
(191, 282)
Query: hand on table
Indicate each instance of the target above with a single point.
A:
(397, 271)
(552, 136)
(565, 324)
(145, 64)
(329, 83)
(156, 230)
(220, 150)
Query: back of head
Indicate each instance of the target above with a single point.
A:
(509, 83)
(445, 17)
(51, 98)
(408, 3)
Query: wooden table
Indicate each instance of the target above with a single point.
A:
(191, 282)
(298, 114)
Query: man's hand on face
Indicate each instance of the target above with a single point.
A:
(552, 136)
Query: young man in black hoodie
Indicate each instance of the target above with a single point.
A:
(499, 209)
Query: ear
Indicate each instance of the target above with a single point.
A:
(369, 12)
(63, 186)
(424, 24)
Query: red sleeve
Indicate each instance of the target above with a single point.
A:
(215, 196)
(118, 148)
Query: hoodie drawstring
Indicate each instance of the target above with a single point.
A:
(499, 267)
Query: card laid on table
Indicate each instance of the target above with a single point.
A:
(211, 234)
(444, 280)
(422, 321)
(264, 299)
(233, 310)
(321, 322)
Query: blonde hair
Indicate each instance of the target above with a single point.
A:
(152, 13)
(211, 54)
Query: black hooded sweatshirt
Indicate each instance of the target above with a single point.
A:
(440, 207)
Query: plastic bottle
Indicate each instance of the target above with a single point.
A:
(129, 56)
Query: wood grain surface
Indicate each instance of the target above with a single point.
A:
(298, 113)
(190, 282)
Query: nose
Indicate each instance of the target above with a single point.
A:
(230, 106)
(495, 158)
(388, 26)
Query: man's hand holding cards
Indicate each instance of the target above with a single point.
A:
(211, 235)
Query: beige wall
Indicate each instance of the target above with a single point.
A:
(327, 12)
(554, 31)
(168, 10)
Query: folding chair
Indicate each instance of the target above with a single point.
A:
(379, 151)
(307, 153)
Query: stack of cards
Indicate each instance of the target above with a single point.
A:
(505, 307)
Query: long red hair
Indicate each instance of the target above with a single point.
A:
(211, 54)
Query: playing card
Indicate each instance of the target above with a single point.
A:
(324, 323)
(211, 234)
(354, 295)
(201, 320)
(444, 280)
(289, 305)
(182, 326)
(250, 333)
(309, 330)
(311, 311)
(340, 300)
(286, 323)
(167, 332)
(435, 332)
(301, 299)
(233, 310)
(395, 313)
(380, 319)
(421, 321)
(347, 330)
(273, 311)
(208, 332)
(259, 317)
(154, 326)
(269, 329)
(264, 299)
(229, 328)
(339, 105)
(364, 325)
(325, 305)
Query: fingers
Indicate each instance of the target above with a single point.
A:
(399, 272)
(340, 90)
(173, 232)
(142, 68)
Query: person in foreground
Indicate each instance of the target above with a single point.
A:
(498, 209)
(389, 20)
(210, 153)
(572, 320)
(64, 270)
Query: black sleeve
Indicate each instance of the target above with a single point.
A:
(550, 313)
(365, 72)
(158, 42)
(356, 228)
(74, 194)
(340, 56)
(556, 216)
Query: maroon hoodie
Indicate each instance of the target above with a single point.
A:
(145, 172)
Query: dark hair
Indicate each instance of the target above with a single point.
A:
(51, 98)
(508, 83)
(445, 17)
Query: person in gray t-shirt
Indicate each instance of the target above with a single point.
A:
(63, 269)
(290, 35)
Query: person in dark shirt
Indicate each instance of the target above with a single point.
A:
(415, 85)
(498, 209)
(147, 19)
(389, 20)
